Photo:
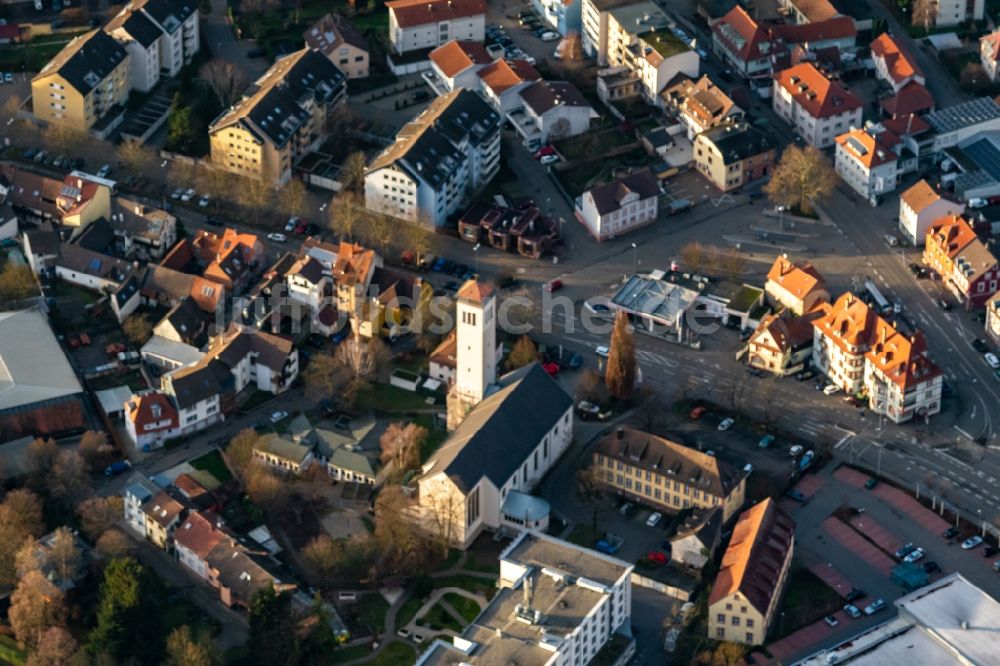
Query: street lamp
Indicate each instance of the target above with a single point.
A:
(561, 223)
(781, 217)
(983, 533)
(635, 258)
(475, 251)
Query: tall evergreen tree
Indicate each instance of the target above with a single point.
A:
(621, 371)
(272, 629)
(126, 615)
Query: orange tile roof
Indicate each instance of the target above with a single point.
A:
(815, 10)
(898, 62)
(139, 409)
(206, 293)
(762, 538)
(162, 508)
(800, 280)
(817, 95)
(788, 332)
(458, 55)
(410, 13)
(904, 361)
(751, 34)
(919, 196)
(476, 291)
(950, 234)
(911, 98)
(501, 74)
(198, 534)
(848, 321)
(865, 148)
(992, 42)
(906, 125)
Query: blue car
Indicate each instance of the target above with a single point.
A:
(439, 265)
(114, 469)
(575, 361)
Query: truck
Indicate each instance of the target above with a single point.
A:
(880, 300)
(609, 543)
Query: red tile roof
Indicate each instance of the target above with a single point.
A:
(841, 27)
(752, 35)
(198, 534)
(797, 279)
(906, 125)
(458, 55)
(904, 361)
(817, 95)
(474, 290)
(866, 149)
(504, 74)
(898, 62)
(146, 410)
(410, 13)
(950, 234)
(911, 98)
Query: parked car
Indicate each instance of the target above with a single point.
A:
(765, 441)
(549, 36)
(917, 270)
(439, 264)
(831, 621)
(891, 240)
(213, 221)
(116, 468)
(654, 519)
(697, 413)
(726, 424)
(804, 375)
(905, 550)
(602, 351)
(548, 159)
(755, 372)
(950, 533)
(587, 410)
(852, 611)
(931, 567)
(748, 469)
(278, 415)
(291, 224)
(871, 483)
(554, 285)
(978, 202)
(797, 496)
(831, 389)
(943, 304)
(203, 202)
(855, 594)
(795, 450)
(625, 508)
(597, 308)
(914, 555)
(980, 345)
(657, 557)
(971, 542)
(992, 360)
(702, 54)
(276, 237)
(543, 151)
(300, 228)
(104, 171)
(176, 194)
(551, 368)
(40, 156)
(875, 606)
(188, 194)
(990, 551)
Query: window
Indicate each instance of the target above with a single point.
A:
(743, 609)
(749, 636)
(749, 623)
(736, 621)
(729, 607)
(721, 618)
(720, 633)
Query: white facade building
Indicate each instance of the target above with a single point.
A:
(615, 208)
(550, 111)
(866, 164)
(817, 108)
(919, 207)
(426, 24)
(953, 12)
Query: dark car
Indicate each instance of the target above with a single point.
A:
(116, 468)
(943, 304)
(754, 372)
(931, 567)
(917, 270)
(213, 222)
(804, 375)
(990, 551)
(256, 53)
(980, 345)
(855, 594)
(797, 496)
(950, 533)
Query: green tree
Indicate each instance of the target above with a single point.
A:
(17, 283)
(187, 648)
(128, 602)
(621, 370)
(273, 641)
(522, 353)
(137, 329)
(184, 131)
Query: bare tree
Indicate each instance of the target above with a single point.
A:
(135, 157)
(322, 378)
(401, 444)
(379, 230)
(924, 13)
(416, 237)
(114, 543)
(182, 174)
(352, 173)
(256, 194)
(522, 353)
(267, 490)
(68, 480)
(41, 455)
(137, 328)
(620, 374)
(321, 555)
(61, 139)
(292, 198)
(592, 487)
(225, 79)
(694, 256)
(360, 361)
(96, 450)
(801, 177)
(187, 648)
(55, 648)
(347, 212)
(445, 511)
(35, 606)
(63, 555)
(398, 537)
(99, 514)
(239, 453)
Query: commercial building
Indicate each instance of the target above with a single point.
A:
(867, 162)
(734, 154)
(617, 207)
(666, 475)
(816, 107)
(345, 46)
(415, 25)
(919, 206)
(656, 302)
(438, 161)
(558, 603)
(84, 85)
(745, 595)
(280, 117)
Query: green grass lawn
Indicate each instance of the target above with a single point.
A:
(472, 584)
(806, 600)
(582, 535)
(213, 463)
(388, 398)
(10, 653)
(371, 610)
(395, 653)
(467, 608)
(344, 655)
(577, 179)
(438, 618)
(593, 143)
(435, 435)
(408, 611)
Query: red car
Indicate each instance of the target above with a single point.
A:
(551, 368)
(543, 151)
(555, 285)
(657, 558)
(301, 227)
(697, 412)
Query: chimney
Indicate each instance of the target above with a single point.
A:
(883, 334)
(621, 433)
(140, 209)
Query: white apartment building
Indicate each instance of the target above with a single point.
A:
(161, 37)
(743, 43)
(993, 319)
(893, 65)
(138, 490)
(953, 12)
(615, 208)
(919, 207)
(866, 164)
(142, 39)
(440, 159)
(426, 24)
(818, 109)
(550, 111)
(595, 15)
(456, 64)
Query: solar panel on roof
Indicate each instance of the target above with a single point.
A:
(985, 154)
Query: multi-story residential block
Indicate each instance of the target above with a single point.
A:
(797, 287)
(425, 24)
(700, 104)
(734, 154)
(162, 515)
(161, 37)
(342, 43)
(439, 160)
(863, 354)
(143, 41)
(551, 110)
(967, 267)
(615, 208)
(919, 206)
(743, 43)
(993, 319)
(595, 15)
(781, 343)
(666, 475)
(539, 577)
(816, 107)
(989, 54)
(745, 595)
(867, 163)
(802, 12)
(639, 40)
(953, 12)
(893, 65)
(84, 85)
(280, 118)
(563, 16)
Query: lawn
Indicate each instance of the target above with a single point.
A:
(588, 145)
(472, 584)
(408, 610)
(806, 600)
(370, 611)
(395, 653)
(467, 608)
(10, 653)
(576, 180)
(436, 434)
(344, 655)
(388, 398)
(437, 618)
(213, 463)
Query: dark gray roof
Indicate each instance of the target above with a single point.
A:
(81, 260)
(737, 142)
(193, 385)
(96, 236)
(163, 280)
(240, 570)
(500, 432)
(141, 28)
(44, 240)
(973, 112)
(169, 13)
(87, 60)
(127, 288)
(608, 197)
(544, 96)
(187, 319)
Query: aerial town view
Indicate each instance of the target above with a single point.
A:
(499, 332)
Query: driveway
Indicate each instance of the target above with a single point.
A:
(217, 33)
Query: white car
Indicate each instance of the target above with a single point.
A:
(971, 542)
(188, 194)
(978, 202)
(104, 171)
(292, 222)
(549, 36)
(831, 389)
(654, 519)
(178, 193)
(914, 555)
(795, 450)
(549, 159)
(203, 202)
(599, 306)
(891, 240)
(726, 424)
(852, 610)
(277, 416)
(602, 351)
(276, 237)
(992, 360)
